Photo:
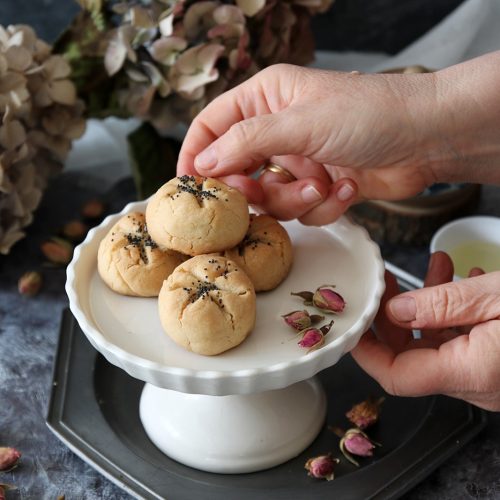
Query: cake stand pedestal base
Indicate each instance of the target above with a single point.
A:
(234, 434)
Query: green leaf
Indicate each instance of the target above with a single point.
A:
(154, 159)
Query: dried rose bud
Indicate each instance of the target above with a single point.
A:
(324, 298)
(57, 250)
(93, 209)
(322, 467)
(327, 300)
(299, 320)
(8, 458)
(29, 283)
(366, 413)
(5, 487)
(314, 338)
(354, 442)
(75, 230)
(358, 443)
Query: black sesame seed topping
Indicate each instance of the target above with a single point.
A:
(187, 184)
(248, 241)
(202, 290)
(141, 240)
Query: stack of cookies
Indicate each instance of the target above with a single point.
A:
(200, 250)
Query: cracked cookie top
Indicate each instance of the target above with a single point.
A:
(129, 260)
(207, 305)
(265, 253)
(197, 215)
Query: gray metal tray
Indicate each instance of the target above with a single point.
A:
(94, 409)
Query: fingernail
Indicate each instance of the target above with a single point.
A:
(403, 308)
(310, 195)
(206, 159)
(345, 192)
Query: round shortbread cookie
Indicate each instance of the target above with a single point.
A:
(265, 253)
(207, 305)
(197, 215)
(130, 262)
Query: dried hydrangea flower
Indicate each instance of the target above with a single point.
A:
(167, 60)
(8, 458)
(322, 467)
(299, 320)
(39, 117)
(366, 413)
(29, 283)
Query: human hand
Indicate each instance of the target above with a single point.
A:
(308, 121)
(459, 352)
(348, 137)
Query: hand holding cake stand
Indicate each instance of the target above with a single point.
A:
(254, 406)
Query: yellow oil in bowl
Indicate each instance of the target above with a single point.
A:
(471, 254)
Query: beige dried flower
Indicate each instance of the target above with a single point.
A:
(177, 56)
(39, 117)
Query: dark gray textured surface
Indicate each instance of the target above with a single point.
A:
(28, 338)
(411, 428)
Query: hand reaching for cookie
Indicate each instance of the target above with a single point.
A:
(347, 137)
(460, 346)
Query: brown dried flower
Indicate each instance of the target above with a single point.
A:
(169, 59)
(39, 117)
(366, 413)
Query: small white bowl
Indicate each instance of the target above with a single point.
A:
(470, 242)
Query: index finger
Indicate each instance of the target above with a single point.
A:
(242, 102)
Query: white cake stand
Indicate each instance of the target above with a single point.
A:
(257, 405)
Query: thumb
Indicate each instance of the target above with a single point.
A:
(249, 142)
(465, 302)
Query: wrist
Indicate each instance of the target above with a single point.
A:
(463, 144)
